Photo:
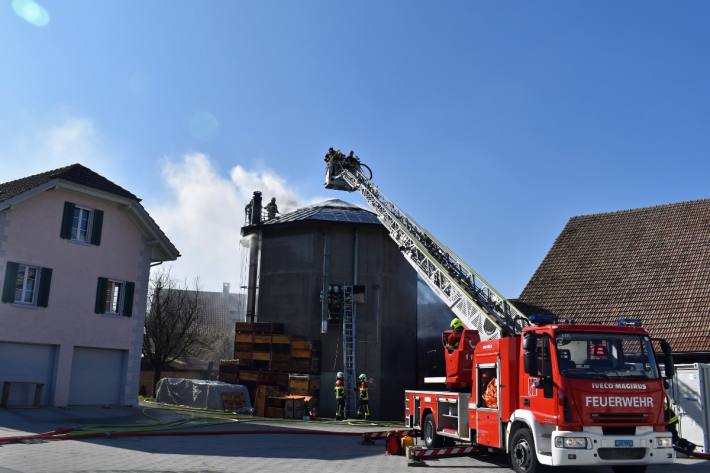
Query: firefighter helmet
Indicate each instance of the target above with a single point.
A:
(456, 324)
(340, 375)
(362, 377)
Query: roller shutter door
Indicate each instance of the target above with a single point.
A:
(33, 363)
(97, 376)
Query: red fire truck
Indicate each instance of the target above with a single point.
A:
(558, 394)
(546, 393)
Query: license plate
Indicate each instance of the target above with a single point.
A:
(624, 443)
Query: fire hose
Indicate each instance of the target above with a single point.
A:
(70, 434)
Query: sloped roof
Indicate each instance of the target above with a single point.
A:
(333, 210)
(75, 173)
(83, 176)
(651, 263)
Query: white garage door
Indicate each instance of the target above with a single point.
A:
(97, 376)
(28, 362)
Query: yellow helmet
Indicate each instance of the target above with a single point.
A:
(456, 324)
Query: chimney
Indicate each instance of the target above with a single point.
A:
(225, 288)
(256, 208)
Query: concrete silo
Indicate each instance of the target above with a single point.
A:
(294, 257)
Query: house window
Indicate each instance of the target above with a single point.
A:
(81, 223)
(26, 282)
(114, 297)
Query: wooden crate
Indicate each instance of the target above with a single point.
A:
(280, 380)
(275, 412)
(244, 338)
(289, 407)
(244, 347)
(243, 355)
(259, 377)
(232, 401)
(281, 366)
(259, 327)
(228, 371)
(262, 393)
(232, 378)
(303, 384)
(305, 365)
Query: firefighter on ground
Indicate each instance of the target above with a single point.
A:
(363, 400)
(452, 343)
(340, 396)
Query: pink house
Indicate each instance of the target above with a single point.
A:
(75, 256)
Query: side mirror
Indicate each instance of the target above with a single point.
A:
(667, 353)
(530, 354)
(529, 341)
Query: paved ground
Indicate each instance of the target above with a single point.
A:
(228, 453)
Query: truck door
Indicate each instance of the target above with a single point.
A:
(487, 389)
(541, 392)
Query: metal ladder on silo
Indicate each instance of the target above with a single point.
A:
(349, 346)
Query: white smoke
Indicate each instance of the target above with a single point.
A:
(205, 212)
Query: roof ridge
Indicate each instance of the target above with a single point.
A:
(51, 172)
(638, 209)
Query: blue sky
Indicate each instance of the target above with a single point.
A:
(492, 123)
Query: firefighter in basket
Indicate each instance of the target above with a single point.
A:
(452, 343)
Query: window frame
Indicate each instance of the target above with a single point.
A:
(108, 301)
(89, 224)
(35, 289)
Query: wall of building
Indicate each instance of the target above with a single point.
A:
(291, 279)
(29, 233)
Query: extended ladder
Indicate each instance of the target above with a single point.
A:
(349, 345)
(468, 295)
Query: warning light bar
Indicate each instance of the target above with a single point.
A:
(541, 319)
(626, 322)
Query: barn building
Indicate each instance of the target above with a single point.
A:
(650, 263)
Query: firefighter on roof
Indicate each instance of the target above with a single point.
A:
(340, 396)
(363, 405)
(452, 343)
(272, 209)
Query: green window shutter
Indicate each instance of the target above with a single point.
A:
(96, 227)
(67, 219)
(100, 306)
(128, 299)
(8, 291)
(45, 282)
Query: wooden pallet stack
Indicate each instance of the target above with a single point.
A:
(272, 364)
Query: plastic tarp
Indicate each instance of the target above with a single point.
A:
(198, 393)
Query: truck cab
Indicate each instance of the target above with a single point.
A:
(589, 395)
(557, 395)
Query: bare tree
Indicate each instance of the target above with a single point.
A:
(173, 324)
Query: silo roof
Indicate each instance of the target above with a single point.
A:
(333, 210)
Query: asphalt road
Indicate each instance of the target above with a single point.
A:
(232, 453)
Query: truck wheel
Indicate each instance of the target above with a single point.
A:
(523, 458)
(431, 440)
(629, 468)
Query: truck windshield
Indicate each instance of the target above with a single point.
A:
(605, 356)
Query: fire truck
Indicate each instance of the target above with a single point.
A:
(545, 392)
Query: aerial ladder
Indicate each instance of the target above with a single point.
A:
(473, 300)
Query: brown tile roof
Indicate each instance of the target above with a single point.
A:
(75, 173)
(651, 263)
